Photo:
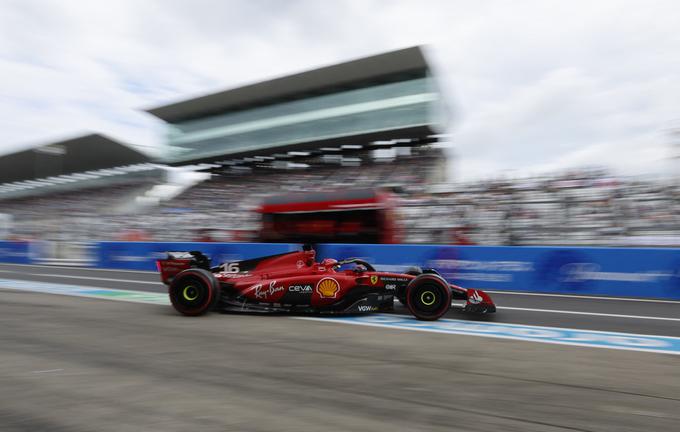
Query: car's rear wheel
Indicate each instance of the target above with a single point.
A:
(194, 292)
(428, 297)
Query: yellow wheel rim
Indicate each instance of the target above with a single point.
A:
(190, 293)
(428, 298)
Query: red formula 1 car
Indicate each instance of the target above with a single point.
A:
(295, 283)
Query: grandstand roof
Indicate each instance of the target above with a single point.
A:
(342, 200)
(381, 68)
(75, 155)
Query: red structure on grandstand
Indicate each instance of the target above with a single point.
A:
(330, 217)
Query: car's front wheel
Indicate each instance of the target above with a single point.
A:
(194, 292)
(428, 297)
(401, 294)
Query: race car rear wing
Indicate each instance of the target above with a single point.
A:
(178, 261)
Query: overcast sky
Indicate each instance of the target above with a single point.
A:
(535, 85)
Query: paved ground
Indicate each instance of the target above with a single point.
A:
(72, 364)
(571, 312)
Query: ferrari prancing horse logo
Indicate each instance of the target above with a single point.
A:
(328, 288)
(374, 280)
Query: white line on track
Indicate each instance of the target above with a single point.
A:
(555, 335)
(520, 293)
(588, 313)
(601, 314)
(529, 333)
(568, 312)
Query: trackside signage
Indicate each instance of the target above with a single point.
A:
(624, 272)
(16, 252)
(553, 335)
(143, 255)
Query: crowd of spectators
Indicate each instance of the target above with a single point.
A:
(587, 207)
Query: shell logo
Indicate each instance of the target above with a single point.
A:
(328, 288)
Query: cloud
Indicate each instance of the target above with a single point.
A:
(535, 85)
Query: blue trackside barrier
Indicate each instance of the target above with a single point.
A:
(19, 252)
(626, 272)
(648, 272)
(143, 255)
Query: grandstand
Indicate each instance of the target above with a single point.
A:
(369, 123)
(329, 120)
(588, 208)
(52, 191)
(66, 162)
(223, 205)
(382, 100)
(83, 162)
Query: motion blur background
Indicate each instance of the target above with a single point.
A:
(496, 141)
(494, 123)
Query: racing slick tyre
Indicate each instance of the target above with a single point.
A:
(194, 292)
(428, 297)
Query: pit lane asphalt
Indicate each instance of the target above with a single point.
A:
(579, 312)
(78, 364)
